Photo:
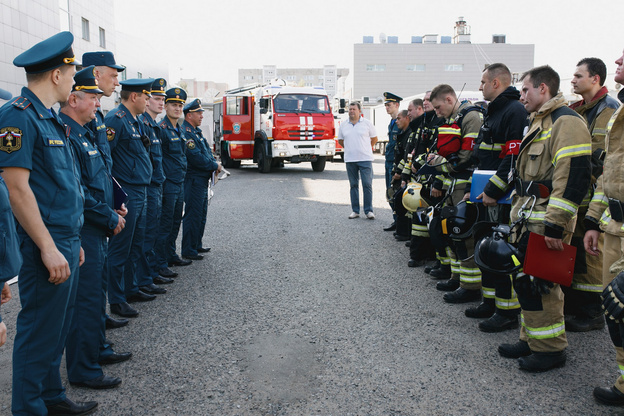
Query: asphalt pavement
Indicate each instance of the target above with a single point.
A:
(298, 310)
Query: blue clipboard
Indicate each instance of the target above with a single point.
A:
(119, 195)
(480, 178)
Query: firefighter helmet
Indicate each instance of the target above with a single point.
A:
(458, 221)
(495, 254)
(412, 200)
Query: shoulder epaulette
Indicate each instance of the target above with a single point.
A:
(21, 102)
(120, 114)
(189, 129)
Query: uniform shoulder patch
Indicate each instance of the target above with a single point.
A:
(10, 139)
(21, 102)
(120, 114)
(190, 143)
(189, 129)
(110, 134)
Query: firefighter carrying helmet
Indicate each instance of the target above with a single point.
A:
(411, 197)
(495, 254)
(458, 221)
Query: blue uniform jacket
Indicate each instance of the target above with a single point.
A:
(131, 162)
(393, 131)
(152, 129)
(96, 182)
(201, 162)
(174, 158)
(98, 128)
(34, 138)
(9, 243)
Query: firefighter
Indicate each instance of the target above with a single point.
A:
(582, 299)
(132, 168)
(201, 165)
(174, 166)
(606, 214)
(402, 221)
(392, 103)
(553, 176)
(495, 149)
(453, 162)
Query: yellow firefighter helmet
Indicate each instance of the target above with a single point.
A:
(411, 197)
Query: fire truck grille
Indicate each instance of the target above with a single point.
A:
(305, 133)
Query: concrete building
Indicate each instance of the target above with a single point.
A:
(329, 77)
(411, 68)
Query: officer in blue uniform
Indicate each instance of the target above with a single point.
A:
(107, 74)
(86, 332)
(392, 103)
(201, 165)
(133, 170)
(174, 165)
(47, 200)
(147, 273)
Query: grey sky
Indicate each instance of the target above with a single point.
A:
(213, 39)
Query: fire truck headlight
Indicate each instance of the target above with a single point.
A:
(279, 146)
(331, 145)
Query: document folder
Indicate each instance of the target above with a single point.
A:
(552, 265)
(480, 178)
(119, 195)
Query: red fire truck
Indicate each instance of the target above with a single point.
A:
(274, 123)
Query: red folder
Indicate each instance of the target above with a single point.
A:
(554, 266)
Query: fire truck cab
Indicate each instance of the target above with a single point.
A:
(271, 124)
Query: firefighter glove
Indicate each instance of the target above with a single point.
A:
(613, 298)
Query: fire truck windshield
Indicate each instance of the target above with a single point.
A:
(301, 103)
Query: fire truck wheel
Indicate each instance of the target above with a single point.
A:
(264, 163)
(319, 164)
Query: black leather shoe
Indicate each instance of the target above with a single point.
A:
(391, 227)
(538, 362)
(484, 310)
(159, 280)
(152, 289)
(67, 407)
(435, 265)
(194, 257)
(123, 309)
(610, 396)
(179, 262)
(408, 243)
(584, 324)
(100, 383)
(139, 297)
(517, 350)
(112, 323)
(116, 357)
(166, 272)
(401, 237)
(203, 249)
(416, 263)
(442, 272)
(109, 343)
(498, 323)
(448, 285)
(461, 295)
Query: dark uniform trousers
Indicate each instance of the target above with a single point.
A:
(171, 217)
(125, 248)
(148, 266)
(46, 309)
(195, 212)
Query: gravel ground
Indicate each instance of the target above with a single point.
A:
(298, 310)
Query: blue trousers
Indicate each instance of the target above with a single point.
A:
(365, 171)
(170, 219)
(195, 211)
(125, 249)
(42, 328)
(87, 330)
(148, 268)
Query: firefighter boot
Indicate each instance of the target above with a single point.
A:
(578, 324)
(435, 265)
(498, 323)
(461, 295)
(539, 362)
(448, 285)
(484, 310)
(443, 272)
(517, 350)
(609, 396)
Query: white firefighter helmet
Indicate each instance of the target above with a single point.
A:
(411, 197)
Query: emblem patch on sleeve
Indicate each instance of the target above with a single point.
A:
(190, 144)
(10, 139)
(110, 134)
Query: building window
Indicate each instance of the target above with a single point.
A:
(308, 77)
(375, 67)
(454, 67)
(291, 78)
(248, 77)
(85, 29)
(102, 38)
(416, 67)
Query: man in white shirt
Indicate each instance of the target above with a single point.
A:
(358, 137)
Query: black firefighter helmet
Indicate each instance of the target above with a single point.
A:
(495, 254)
(458, 221)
